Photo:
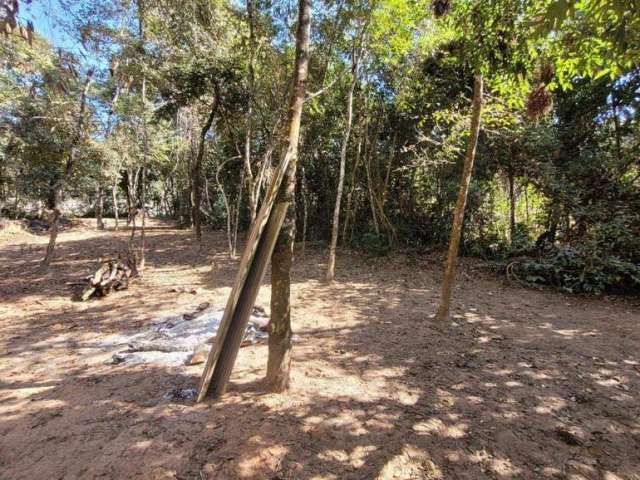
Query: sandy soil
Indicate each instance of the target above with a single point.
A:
(520, 384)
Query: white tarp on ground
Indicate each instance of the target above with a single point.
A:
(174, 341)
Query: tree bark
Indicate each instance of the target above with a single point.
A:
(143, 237)
(279, 360)
(133, 176)
(305, 210)
(616, 126)
(352, 184)
(512, 207)
(251, 181)
(58, 187)
(143, 180)
(99, 185)
(236, 220)
(526, 201)
(458, 215)
(372, 201)
(196, 174)
(139, 262)
(114, 193)
(227, 209)
(335, 228)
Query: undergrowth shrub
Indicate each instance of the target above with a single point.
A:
(574, 271)
(373, 244)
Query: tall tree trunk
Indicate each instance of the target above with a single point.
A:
(143, 180)
(129, 195)
(279, 361)
(236, 221)
(348, 215)
(196, 174)
(58, 187)
(380, 192)
(372, 201)
(616, 126)
(145, 148)
(458, 214)
(305, 210)
(114, 193)
(227, 209)
(335, 228)
(512, 206)
(249, 177)
(143, 237)
(99, 185)
(526, 201)
(133, 175)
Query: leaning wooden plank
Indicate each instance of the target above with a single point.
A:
(245, 264)
(238, 326)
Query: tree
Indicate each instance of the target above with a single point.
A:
(279, 361)
(57, 189)
(335, 226)
(491, 36)
(458, 214)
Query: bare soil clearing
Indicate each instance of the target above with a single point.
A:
(520, 384)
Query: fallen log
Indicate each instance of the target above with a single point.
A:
(110, 275)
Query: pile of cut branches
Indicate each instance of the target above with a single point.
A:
(110, 275)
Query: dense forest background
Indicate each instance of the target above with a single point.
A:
(177, 109)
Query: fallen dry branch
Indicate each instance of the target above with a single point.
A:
(110, 275)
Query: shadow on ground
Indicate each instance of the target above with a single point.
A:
(519, 384)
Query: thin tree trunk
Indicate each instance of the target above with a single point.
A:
(512, 207)
(251, 181)
(196, 174)
(616, 125)
(279, 360)
(227, 210)
(114, 193)
(237, 219)
(372, 202)
(143, 200)
(458, 215)
(207, 197)
(526, 201)
(253, 201)
(305, 210)
(381, 197)
(131, 250)
(335, 228)
(145, 148)
(143, 180)
(129, 195)
(387, 177)
(352, 185)
(99, 187)
(133, 176)
(58, 187)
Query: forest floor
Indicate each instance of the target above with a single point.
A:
(520, 383)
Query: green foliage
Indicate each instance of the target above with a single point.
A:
(373, 244)
(593, 38)
(571, 178)
(579, 271)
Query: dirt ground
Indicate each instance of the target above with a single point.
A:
(519, 384)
